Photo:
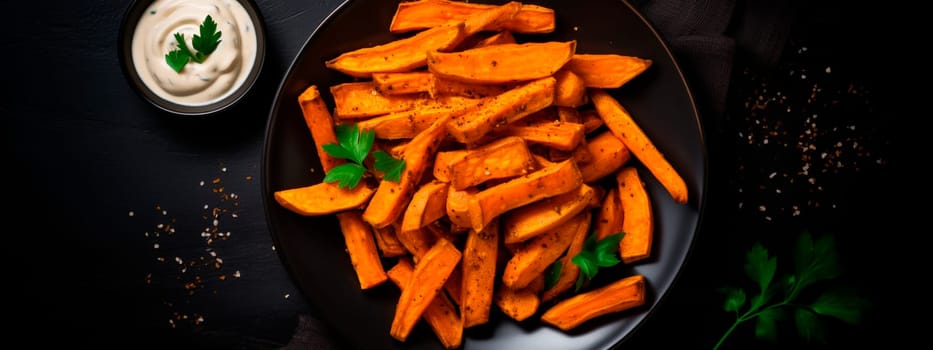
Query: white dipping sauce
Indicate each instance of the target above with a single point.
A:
(198, 84)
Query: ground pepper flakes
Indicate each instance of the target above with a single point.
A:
(823, 122)
(185, 275)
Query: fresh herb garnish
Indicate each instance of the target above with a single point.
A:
(596, 254)
(354, 145)
(552, 274)
(204, 44)
(815, 261)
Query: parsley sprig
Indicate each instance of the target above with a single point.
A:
(204, 45)
(595, 254)
(814, 261)
(354, 145)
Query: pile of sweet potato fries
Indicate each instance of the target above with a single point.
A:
(515, 153)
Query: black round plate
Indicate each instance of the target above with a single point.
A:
(313, 250)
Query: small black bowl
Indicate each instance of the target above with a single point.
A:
(125, 43)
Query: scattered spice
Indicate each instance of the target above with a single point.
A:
(185, 275)
(823, 122)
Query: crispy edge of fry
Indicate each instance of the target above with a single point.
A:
(620, 122)
(638, 219)
(569, 271)
(320, 123)
(624, 294)
(362, 249)
(608, 154)
(534, 257)
(543, 183)
(479, 275)
(524, 223)
(426, 205)
(607, 71)
(502, 109)
(443, 160)
(440, 314)
(323, 198)
(430, 274)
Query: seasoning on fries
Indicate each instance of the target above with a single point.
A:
(512, 154)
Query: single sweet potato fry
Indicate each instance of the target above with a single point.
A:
(320, 124)
(400, 55)
(440, 314)
(610, 215)
(430, 274)
(391, 198)
(520, 304)
(607, 71)
(505, 158)
(426, 205)
(361, 100)
(637, 220)
(502, 109)
(362, 249)
(618, 296)
(403, 82)
(608, 153)
(323, 198)
(505, 63)
(423, 14)
(543, 183)
(524, 223)
(554, 134)
(620, 122)
(532, 259)
(569, 272)
(388, 242)
(479, 275)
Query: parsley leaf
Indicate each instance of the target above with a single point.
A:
(177, 59)
(348, 175)
(205, 44)
(553, 274)
(209, 39)
(389, 165)
(814, 261)
(594, 255)
(354, 145)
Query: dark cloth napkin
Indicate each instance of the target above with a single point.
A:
(705, 37)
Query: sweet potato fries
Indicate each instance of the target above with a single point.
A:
(512, 154)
